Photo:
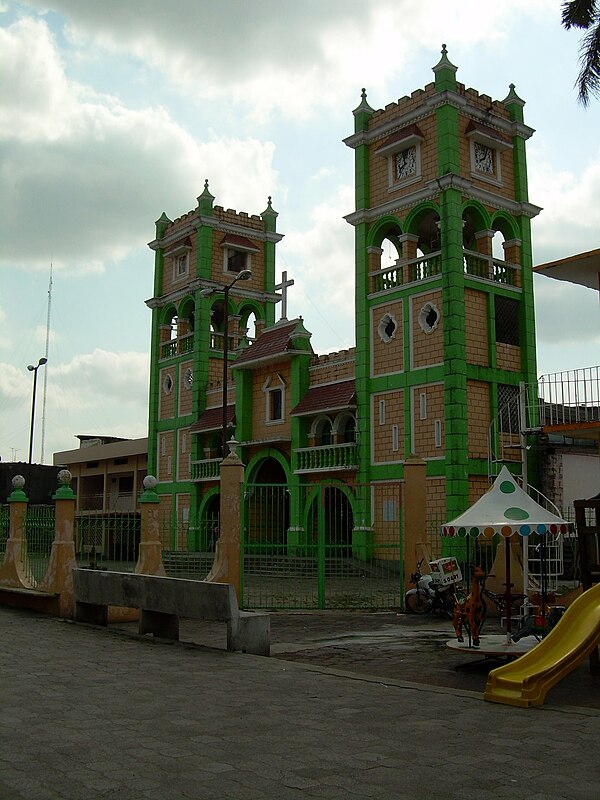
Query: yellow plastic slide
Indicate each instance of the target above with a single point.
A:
(525, 681)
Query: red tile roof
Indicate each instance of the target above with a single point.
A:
(473, 126)
(275, 341)
(331, 397)
(239, 241)
(405, 133)
(212, 419)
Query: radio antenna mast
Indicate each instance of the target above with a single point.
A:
(46, 370)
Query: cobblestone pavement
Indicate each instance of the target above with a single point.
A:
(389, 646)
(89, 713)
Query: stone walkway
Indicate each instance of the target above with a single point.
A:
(90, 713)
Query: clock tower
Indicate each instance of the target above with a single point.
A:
(444, 288)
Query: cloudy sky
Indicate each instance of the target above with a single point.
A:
(112, 112)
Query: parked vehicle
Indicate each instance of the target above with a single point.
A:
(430, 594)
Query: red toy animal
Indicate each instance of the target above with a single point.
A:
(471, 612)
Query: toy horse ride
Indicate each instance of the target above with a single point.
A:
(470, 612)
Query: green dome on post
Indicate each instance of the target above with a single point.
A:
(445, 73)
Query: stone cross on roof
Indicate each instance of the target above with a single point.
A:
(283, 286)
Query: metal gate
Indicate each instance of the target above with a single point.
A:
(321, 545)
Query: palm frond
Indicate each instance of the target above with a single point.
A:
(579, 13)
(588, 80)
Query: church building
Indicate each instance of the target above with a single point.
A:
(444, 329)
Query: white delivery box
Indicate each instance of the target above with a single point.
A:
(445, 571)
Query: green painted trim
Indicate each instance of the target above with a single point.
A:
(153, 391)
(262, 455)
(448, 140)
(416, 214)
(362, 177)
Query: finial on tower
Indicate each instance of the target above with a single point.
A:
(363, 107)
(444, 62)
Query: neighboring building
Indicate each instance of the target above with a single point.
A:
(40, 481)
(108, 472)
(444, 329)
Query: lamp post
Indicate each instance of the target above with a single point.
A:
(243, 275)
(33, 369)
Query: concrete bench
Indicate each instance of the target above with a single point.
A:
(163, 601)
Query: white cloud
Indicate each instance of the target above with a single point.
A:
(99, 392)
(289, 57)
(570, 219)
(86, 175)
(324, 253)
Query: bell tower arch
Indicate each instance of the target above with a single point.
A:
(444, 320)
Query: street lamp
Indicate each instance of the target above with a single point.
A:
(243, 275)
(33, 369)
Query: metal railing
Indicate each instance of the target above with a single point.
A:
(108, 540)
(568, 399)
(37, 545)
(571, 397)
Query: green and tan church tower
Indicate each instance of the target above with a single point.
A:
(444, 335)
(444, 289)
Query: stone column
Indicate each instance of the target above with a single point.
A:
(226, 566)
(12, 571)
(59, 574)
(150, 555)
(414, 506)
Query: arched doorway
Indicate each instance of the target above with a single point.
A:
(267, 508)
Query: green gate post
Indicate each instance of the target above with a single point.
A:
(321, 549)
(12, 571)
(59, 574)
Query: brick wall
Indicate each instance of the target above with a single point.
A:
(388, 357)
(382, 427)
(423, 430)
(477, 332)
(426, 348)
(479, 418)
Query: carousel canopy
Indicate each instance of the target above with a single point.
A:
(505, 509)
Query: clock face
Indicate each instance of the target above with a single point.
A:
(188, 378)
(484, 159)
(406, 163)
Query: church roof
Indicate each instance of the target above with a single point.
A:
(273, 344)
(212, 419)
(331, 397)
(242, 242)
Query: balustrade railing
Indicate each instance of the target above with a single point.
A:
(206, 470)
(491, 269)
(416, 269)
(327, 458)
(174, 347)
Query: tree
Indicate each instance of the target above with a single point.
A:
(585, 14)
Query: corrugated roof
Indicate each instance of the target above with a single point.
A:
(331, 397)
(275, 341)
(212, 419)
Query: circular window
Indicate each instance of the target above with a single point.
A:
(168, 384)
(387, 328)
(429, 317)
(188, 378)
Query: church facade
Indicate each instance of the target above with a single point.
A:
(444, 327)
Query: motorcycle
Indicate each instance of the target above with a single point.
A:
(429, 595)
